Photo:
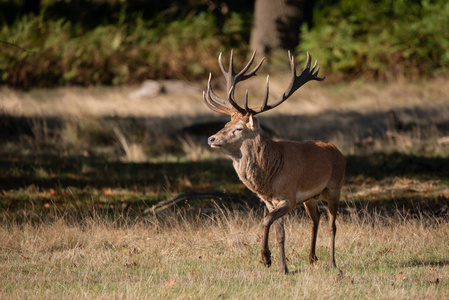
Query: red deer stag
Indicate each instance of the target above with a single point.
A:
(285, 173)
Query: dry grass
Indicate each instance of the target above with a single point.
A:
(218, 257)
(312, 99)
(97, 102)
(214, 257)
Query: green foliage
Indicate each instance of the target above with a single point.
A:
(381, 39)
(61, 52)
(125, 42)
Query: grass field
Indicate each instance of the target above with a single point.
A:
(218, 257)
(81, 171)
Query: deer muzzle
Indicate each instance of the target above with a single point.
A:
(212, 141)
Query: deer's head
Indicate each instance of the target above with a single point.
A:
(243, 124)
(235, 132)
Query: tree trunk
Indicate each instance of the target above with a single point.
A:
(277, 24)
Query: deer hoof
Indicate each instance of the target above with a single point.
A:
(266, 258)
(313, 259)
(267, 263)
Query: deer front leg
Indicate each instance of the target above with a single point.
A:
(281, 209)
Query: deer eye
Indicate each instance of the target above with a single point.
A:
(239, 128)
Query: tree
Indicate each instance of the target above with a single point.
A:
(277, 24)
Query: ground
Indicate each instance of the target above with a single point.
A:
(83, 172)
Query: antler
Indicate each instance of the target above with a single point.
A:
(296, 82)
(219, 104)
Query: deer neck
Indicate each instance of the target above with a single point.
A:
(258, 161)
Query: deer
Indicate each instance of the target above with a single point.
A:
(283, 174)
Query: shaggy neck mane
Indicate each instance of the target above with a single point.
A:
(259, 162)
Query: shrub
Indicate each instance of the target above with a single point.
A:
(381, 39)
(60, 52)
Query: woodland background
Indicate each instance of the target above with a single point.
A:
(82, 42)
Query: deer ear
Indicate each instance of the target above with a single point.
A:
(253, 123)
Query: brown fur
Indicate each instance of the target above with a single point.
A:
(284, 174)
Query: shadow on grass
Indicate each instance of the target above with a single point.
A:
(381, 165)
(41, 187)
(425, 263)
(46, 177)
(48, 171)
(323, 126)
(80, 172)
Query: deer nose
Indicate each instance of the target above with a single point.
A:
(211, 140)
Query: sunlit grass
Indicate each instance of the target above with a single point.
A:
(218, 256)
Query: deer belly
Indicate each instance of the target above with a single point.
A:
(303, 195)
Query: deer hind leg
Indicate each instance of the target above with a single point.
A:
(280, 236)
(333, 199)
(278, 212)
(314, 214)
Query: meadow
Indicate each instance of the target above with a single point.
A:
(89, 177)
(217, 256)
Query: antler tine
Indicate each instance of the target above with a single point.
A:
(214, 102)
(229, 74)
(231, 63)
(248, 64)
(262, 108)
(242, 76)
(230, 78)
(246, 102)
(308, 62)
(267, 93)
(218, 108)
(316, 73)
(217, 98)
(292, 63)
(296, 82)
(220, 64)
(208, 104)
(314, 65)
(293, 69)
(237, 107)
(213, 95)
